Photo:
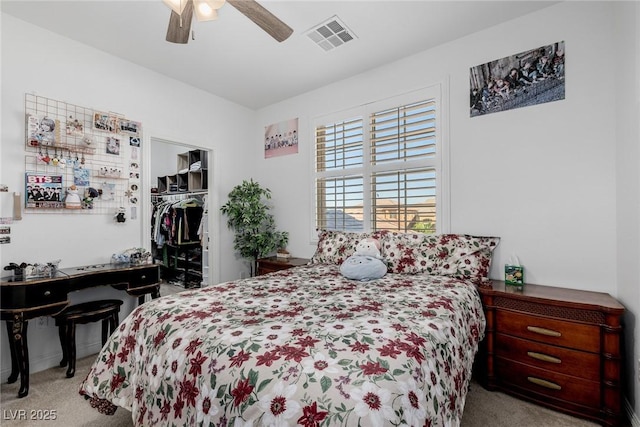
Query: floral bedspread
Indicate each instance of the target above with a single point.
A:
(303, 346)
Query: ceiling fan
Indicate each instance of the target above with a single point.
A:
(182, 12)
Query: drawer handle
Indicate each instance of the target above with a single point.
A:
(143, 277)
(47, 293)
(544, 383)
(544, 331)
(543, 357)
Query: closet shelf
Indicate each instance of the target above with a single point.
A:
(191, 174)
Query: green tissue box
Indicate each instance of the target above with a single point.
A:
(514, 275)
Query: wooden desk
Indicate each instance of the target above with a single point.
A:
(22, 300)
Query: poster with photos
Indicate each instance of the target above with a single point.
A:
(108, 192)
(75, 127)
(281, 139)
(532, 77)
(105, 122)
(134, 141)
(129, 126)
(134, 170)
(113, 145)
(81, 176)
(44, 191)
(42, 130)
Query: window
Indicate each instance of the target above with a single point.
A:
(378, 167)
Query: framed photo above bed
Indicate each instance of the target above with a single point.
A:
(532, 77)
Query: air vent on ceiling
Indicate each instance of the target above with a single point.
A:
(331, 34)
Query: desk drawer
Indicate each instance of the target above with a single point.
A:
(547, 383)
(558, 359)
(32, 295)
(135, 278)
(552, 331)
(144, 277)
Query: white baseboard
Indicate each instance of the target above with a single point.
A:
(633, 417)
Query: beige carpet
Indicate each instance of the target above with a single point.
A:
(50, 391)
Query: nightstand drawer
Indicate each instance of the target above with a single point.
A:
(558, 359)
(271, 264)
(552, 331)
(551, 384)
(557, 347)
(266, 270)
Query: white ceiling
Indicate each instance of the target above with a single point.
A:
(235, 59)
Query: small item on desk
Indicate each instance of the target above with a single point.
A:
(514, 273)
(30, 271)
(283, 254)
(135, 256)
(18, 270)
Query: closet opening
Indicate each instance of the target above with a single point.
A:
(177, 220)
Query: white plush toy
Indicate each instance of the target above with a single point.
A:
(370, 247)
(72, 199)
(365, 264)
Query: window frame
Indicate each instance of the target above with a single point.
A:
(440, 162)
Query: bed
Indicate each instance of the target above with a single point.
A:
(306, 346)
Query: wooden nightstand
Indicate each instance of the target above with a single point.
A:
(557, 347)
(271, 264)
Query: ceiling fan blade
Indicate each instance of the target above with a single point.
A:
(263, 18)
(180, 25)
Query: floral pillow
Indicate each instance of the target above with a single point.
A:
(336, 246)
(457, 255)
(406, 252)
(463, 256)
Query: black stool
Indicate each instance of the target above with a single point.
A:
(67, 319)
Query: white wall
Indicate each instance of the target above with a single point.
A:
(538, 177)
(35, 60)
(164, 159)
(543, 178)
(558, 182)
(627, 32)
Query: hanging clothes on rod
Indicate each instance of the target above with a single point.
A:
(203, 229)
(176, 219)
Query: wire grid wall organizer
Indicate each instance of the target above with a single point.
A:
(69, 145)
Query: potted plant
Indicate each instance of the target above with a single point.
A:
(248, 215)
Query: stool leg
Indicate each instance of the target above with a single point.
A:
(71, 349)
(62, 332)
(113, 323)
(105, 330)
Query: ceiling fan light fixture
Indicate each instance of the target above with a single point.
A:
(205, 10)
(176, 5)
(216, 4)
